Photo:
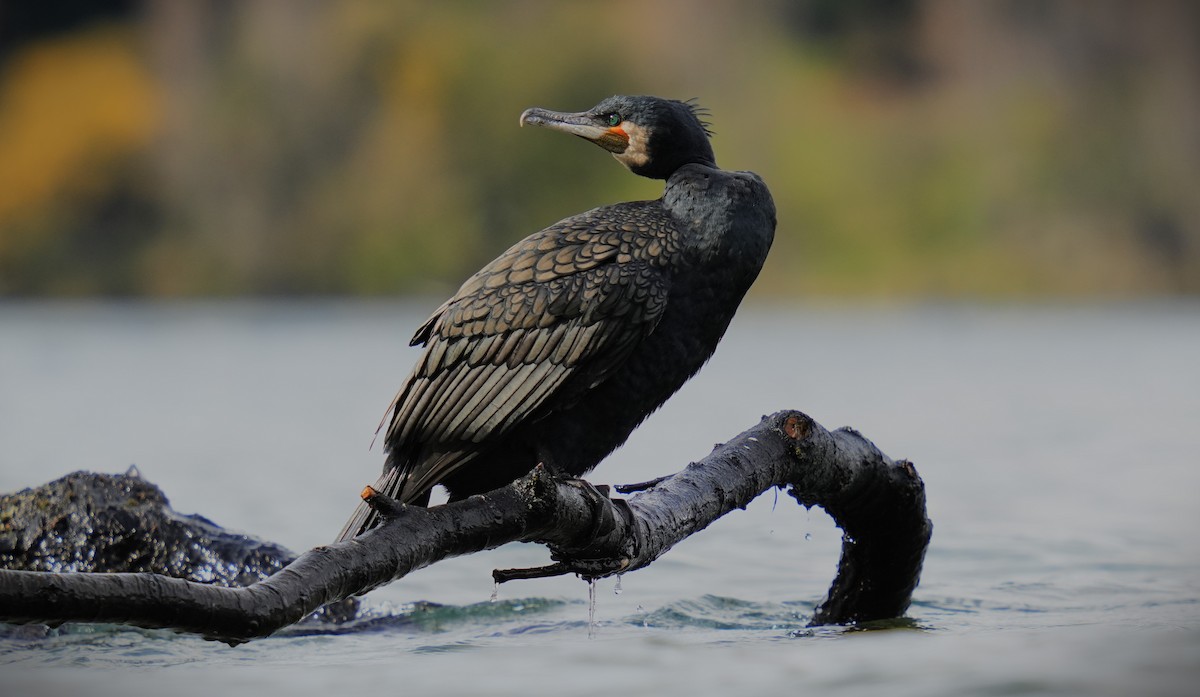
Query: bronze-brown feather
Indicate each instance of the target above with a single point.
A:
(581, 293)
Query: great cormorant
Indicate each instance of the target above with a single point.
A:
(554, 352)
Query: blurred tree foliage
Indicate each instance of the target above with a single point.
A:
(916, 148)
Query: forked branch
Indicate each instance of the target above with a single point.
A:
(879, 504)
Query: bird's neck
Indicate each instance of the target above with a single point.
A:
(666, 165)
(695, 196)
(727, 215)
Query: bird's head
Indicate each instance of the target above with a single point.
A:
(651, 136)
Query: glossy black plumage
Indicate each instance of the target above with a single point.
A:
(555, 351)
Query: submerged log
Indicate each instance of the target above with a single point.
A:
(879, 504)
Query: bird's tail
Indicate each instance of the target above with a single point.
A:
(407, 478)
(389, 483)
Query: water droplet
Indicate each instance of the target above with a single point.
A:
(495, 591)
(591, 607)
(807, 536)
(617, 587)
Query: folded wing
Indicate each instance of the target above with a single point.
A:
(553, 316)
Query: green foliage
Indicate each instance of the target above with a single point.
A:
(919, 149)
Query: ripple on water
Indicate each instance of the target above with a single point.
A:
(426, 618)
(720, 612)
(459, 628)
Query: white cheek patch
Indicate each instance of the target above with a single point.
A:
(638, 153)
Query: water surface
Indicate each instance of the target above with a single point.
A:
(1058, 445)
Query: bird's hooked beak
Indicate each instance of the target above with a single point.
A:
(583, 124)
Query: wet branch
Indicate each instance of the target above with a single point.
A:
(880, 504)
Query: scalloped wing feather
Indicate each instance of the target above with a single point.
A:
(580, 294)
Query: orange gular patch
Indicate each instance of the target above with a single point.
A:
(614, 140)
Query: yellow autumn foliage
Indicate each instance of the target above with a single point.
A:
(68, 108)
(372, 147)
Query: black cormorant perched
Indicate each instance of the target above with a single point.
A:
(559, 348)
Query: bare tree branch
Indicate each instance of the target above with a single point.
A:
(880, 504)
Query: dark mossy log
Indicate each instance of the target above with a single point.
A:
(880, 504)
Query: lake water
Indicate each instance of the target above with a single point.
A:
(1059, 444)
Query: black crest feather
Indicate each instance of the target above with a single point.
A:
(702, 115)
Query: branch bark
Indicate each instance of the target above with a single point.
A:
(879, 504)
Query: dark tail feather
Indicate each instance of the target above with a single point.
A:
(365, 517)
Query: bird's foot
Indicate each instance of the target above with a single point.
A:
(591, 556)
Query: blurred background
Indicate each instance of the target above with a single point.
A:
(915, 148)
(1034, 162)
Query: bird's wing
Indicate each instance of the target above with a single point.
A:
(571, 300)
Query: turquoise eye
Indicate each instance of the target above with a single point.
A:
(614, 119)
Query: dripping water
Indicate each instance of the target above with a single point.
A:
(591, 607)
